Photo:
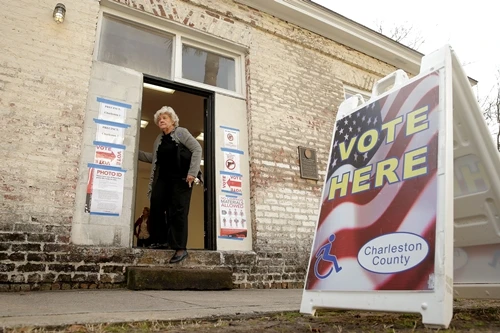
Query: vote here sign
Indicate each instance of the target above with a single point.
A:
(377, 221)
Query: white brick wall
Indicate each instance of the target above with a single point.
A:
(294, 81)
(44, 75)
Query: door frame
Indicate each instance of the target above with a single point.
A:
(210, 216)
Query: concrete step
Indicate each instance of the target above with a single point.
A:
(178, 278)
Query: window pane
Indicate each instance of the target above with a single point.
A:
(207, 67)
(143, 50)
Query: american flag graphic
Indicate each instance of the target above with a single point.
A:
(408, 206)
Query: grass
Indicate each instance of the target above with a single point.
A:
(469, 316)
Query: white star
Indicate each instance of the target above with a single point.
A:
(375, 121)
(341, 131)
(359, 129)
(350, 115)
(354, 122)
(357, 114)
(369, 121)
(346, 122)
(335, 144)
(365, 156)
(334, 163)
(355, 156)
(350, 129)
(346, 137)
(363, 119)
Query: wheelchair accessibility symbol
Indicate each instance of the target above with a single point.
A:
(323, 254)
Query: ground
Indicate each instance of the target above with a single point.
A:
(469, 316)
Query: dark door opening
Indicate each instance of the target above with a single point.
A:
(195, 110)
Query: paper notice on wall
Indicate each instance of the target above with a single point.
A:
(105, 191)
(233, 220)
(112, 110)
(231, 184)
(110, 133)
(107, 155)
(231, 161)
(231, 137)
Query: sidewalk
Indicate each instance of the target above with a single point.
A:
(52, 308)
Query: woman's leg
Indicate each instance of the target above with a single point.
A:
(177, 214)
(159, 204)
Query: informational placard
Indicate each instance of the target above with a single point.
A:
(233, 220)
(231, 137)
(232, 160)
(105, 190)
(112, 110)
(110, 132)
(389, 218)
(231, 184)
(106, 154)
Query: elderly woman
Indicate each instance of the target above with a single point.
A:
(175, 162)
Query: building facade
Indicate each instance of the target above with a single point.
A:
(253, 80)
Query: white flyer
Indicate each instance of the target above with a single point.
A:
(112, 112)
(231, 162)
(107, 192)
(233, 220)
(110, 134)
(231, 138)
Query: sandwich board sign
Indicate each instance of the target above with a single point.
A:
(410, 210)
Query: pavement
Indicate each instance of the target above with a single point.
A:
(57, 308)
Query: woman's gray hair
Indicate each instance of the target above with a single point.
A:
(168, 110)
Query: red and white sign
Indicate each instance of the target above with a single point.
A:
(108, 156)
(231, 183)
(106, 192)
(231, 162)
(231, 138)
(233, 220)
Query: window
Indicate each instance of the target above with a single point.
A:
(142, 49)
(171, 55)
(208, 68)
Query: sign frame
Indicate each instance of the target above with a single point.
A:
(435, 306)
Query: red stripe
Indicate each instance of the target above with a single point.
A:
(417, 277)
(353, 239)
(398, 148)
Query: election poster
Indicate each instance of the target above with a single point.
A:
(108, 155)
(231, 184)
(104, 191)
(376, 228)
(233, 219)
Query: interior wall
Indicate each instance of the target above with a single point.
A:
(189, 108)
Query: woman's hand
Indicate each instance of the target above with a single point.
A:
(190, 180)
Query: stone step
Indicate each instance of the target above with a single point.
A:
(175, 278)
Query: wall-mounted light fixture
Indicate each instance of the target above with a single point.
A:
(59, 13)
(144, 123)
(158, 88)
(200, 137)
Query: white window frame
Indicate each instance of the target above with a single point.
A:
(353, 91)
(193, 38)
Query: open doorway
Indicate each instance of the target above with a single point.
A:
(192, 111)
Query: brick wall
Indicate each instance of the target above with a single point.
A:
(294, 80)
(44, 75)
